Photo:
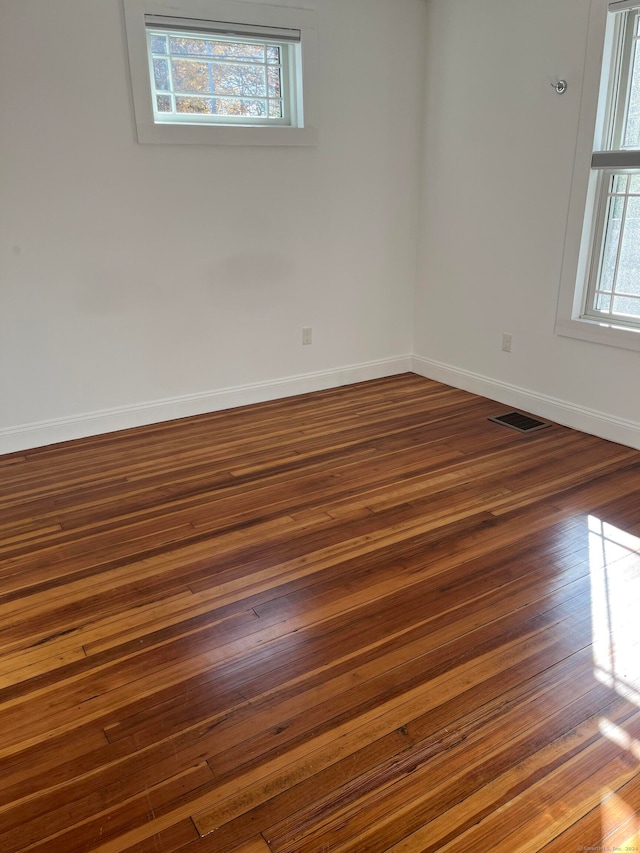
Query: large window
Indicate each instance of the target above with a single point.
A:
(602, 303)
(222, 72)
(613, 293)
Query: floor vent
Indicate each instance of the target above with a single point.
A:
(523, 423)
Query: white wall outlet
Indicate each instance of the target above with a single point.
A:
(506, 342)
(307, 336)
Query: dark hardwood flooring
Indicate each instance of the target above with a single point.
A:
(357, 621)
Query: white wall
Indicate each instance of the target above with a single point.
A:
(132, 274)
(140, 282)
(498, 159)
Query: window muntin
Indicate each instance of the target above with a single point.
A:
(613, 292)
(209, 78)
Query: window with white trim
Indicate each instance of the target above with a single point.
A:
(613, 291)
(222, 72)
(599, 297)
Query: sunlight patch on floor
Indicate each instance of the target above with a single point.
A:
(620, 823)
(614, 559)
(614, 563)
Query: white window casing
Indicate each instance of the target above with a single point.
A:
(283, 114)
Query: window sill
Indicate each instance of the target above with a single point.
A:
(170, 134)
(599, 333)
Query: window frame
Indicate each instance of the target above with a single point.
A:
(596, 160)
(302, 70)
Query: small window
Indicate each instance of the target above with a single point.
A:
(221, 81)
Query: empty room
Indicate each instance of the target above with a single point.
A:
(319, 426)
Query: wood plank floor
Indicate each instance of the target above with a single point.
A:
(356, 621)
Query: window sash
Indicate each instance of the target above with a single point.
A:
(174, 116)
(597, 289)
(614, 156)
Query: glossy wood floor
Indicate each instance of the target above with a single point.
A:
(362, 620)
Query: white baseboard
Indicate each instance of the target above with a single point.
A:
(577, 417)
(26, 436)
(39, 434)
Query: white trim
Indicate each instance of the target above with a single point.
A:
(26, 436)
(577, 417)
(39, 434)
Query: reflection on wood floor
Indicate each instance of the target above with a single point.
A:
(361, 620)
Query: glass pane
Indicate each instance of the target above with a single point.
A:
(632, 128)
(273, 54)
(188, 46)
(626, 305)
(612, 239)
(635, 184)
(191, 76)
(258, 109)
(236, 107)
(158, 44)
(237, 52)
(603, 302)
(164, 103)
(629, 265)
(620, 183)
(275, 109)
(238, 80)
(195, 106)
(275, 88)
(161, 74)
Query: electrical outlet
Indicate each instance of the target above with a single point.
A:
(307, 336)
(506, 342)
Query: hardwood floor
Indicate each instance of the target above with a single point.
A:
(362, 620)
